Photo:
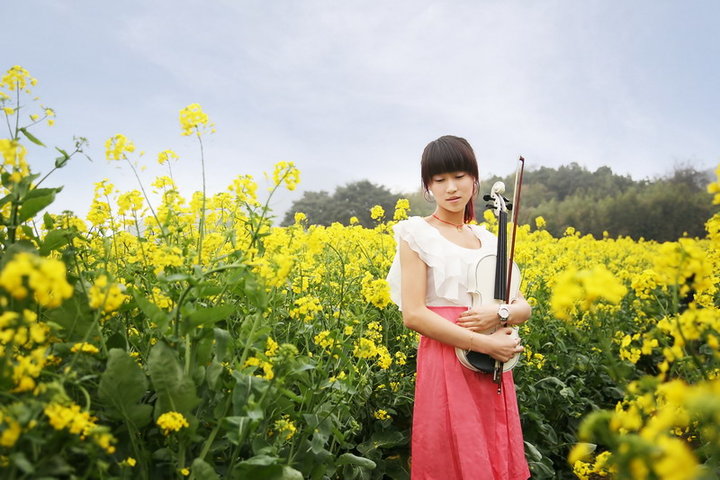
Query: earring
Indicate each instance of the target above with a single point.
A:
(428, 196)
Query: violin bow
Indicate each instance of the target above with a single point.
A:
(516, 210)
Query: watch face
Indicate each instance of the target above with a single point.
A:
(504, 312)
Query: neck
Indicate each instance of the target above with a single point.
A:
(455, 218)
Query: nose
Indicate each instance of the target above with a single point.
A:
(451, 186)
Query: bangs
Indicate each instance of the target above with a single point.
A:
(447, 154)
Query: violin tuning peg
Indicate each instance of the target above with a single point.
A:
(487, 197)
(509, 205)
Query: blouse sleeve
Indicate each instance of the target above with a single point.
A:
(446, 271)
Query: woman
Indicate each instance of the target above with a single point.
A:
(462, 428)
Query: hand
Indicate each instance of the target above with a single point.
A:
(480, 319)
(504, 345)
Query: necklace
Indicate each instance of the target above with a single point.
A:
(458, 226)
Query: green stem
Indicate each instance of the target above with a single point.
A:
(147, 199)
(213, 433)
(201, 226)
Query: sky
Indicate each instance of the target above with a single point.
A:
(353, 90)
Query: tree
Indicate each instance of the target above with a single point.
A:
(351, 200)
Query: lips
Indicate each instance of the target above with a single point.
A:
(453, 199)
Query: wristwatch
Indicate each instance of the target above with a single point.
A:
(504, 312)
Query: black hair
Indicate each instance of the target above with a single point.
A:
(449, 154)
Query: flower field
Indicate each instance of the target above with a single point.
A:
(184, 336)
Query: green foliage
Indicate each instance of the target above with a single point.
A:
(351, 200)
(602, 203)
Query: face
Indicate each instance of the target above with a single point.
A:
(452, 190)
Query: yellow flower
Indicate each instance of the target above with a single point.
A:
(285, 428)
(677, 461)
(381, 414)
(185, 472)
(540, 222)
(377, 212)
(581, 451)
(376, 291)
(194, 120)
(17, 78)
(401, 208)
(84, 347)
(365, 348)
(714, 187)
(11, 432)
(267, 367)
(171, 422)
(581, 289)
(300, 217)
(8, 110)
(106, 296)
(117, 147)
(271, 347)
(287, 173)
(45, 276)
(165, 156)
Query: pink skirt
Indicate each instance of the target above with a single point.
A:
(462, 429)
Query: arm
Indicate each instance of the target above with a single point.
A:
(418, 317)
(485, 317)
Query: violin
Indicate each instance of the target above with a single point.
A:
(506, 284)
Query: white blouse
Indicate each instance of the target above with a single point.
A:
(448, 263)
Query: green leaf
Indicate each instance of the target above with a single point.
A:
(31, 137)
(19, 460)
(532, 452)
(48, 221)
(211, 315)
(201, 470)
(35, 201)
(264, 467)
(76, 318)
(122, 386)
(382, 439)
(222, 340)
(350, 459)
(175, 391)
(154, 313)
(53, 241)
(60, 162)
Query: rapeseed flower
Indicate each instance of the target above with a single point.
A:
(17, 78)
(287, 173)
(165, 156)
(80, 423)
(268, 373)
(11, 431)
(381, 414)
(46, 277)
(105, 295)
(117, 147)
(171, 422)
(402, 206)
(84, 347)
(376, 291)
(285, 428)
(194, 120)
(581, 289)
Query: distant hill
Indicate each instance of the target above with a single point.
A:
(597, 203)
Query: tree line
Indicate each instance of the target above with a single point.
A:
(597, 203)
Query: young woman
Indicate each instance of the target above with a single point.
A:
(462, 428)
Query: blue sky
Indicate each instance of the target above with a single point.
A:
(354, 90)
